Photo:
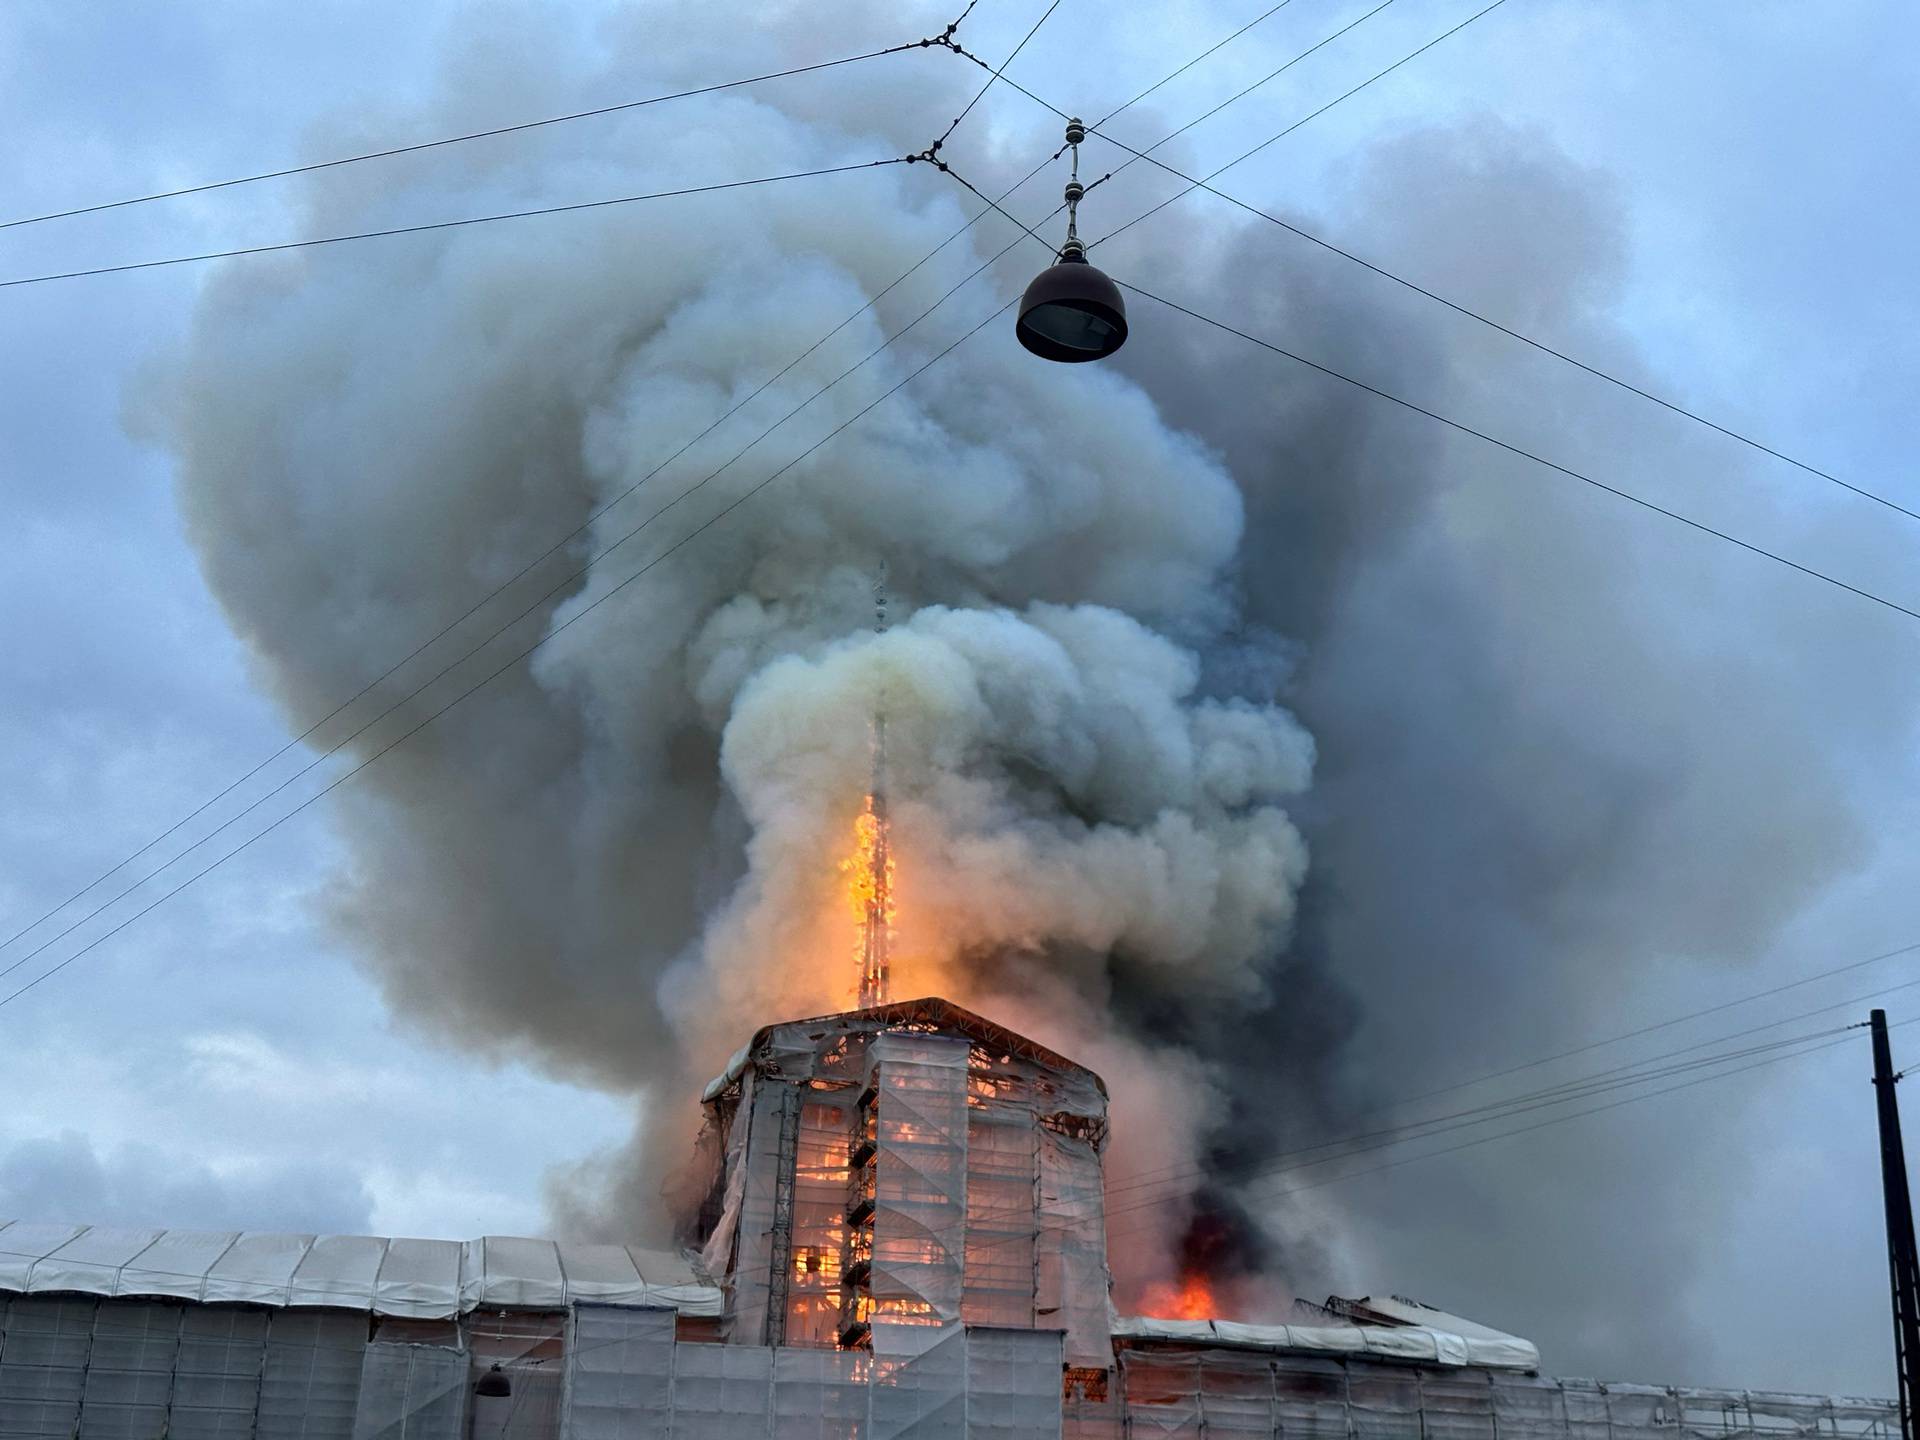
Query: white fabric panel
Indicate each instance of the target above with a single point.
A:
(924, 1398)
(216, 1376)
(411, 1392)
(414, 1279)
(44, 1344)
(310, 1384)
(130, 1371)
(504, 1272)
(257, 1268)
(722, 1392)
(1072, 1248)
(1406, 1344)
(90, 1262)
(656, 1267)
(1013, 1384)
(338, 1270)
(820, 1394)
(1384, 1401)
(605, 1273)
(760, 1160)
(920, 1209)
(1409, 1343)
(175, 1264)
(22, 1244)
(1528, 1408)
(1310, 1398)
(420, 1279)
(619, 1374)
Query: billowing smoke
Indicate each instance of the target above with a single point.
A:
(1114, 590)
(621, 855)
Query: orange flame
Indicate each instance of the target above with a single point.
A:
(1191, 1299)
(869, 875)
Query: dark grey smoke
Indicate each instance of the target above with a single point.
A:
(1556, 754)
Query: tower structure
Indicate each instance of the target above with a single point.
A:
(885, 1178)
(876, 855)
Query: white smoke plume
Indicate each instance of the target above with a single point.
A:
(620, 856)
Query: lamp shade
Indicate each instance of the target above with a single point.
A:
(1072, 312)
(494, 1384)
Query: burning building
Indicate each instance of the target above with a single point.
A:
(902, 1233)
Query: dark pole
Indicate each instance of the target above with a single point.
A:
(1901, 1252)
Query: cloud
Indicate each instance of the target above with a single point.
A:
(63, 1177)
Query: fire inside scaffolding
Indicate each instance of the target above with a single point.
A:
(904, 1236)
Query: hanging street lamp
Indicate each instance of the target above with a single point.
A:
(1072, 312)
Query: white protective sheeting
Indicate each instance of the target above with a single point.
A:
(411, 1279)
(1411, 1342)
(920, 1196)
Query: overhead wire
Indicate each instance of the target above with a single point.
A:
(443, 224)
(1204, 183)
(1179, 1187)
(582, 528)
(992, 204)
(1270, 1196)
(1177, 1172)
(485, 680)
(1264, 15)
(1530, 455)
(1311, 115)
(496, 130)
(998, 72)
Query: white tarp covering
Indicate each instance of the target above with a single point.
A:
(1409, 1342)
(413, 1279)
(920, 1203)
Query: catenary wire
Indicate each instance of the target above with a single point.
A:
(992, 203)
(503, 628)
(502, 669)
(1304, 119)
(470, 135)
(1176, 74)
(1237, 96)
(514, 579)
(595, 515)
(998, 72)
(1204, 183)
(1274, 1166)
(1171, 1183)
(1601, 1082)
(442, 224)
(1656, 1026)
(1270, 1196)
(255, 804)
(1525, 454)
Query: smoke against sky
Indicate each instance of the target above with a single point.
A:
(628, 846)
(1557, 763)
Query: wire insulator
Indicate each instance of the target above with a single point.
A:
(1076, 132)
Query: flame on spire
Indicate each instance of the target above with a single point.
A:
(870, 868)
(869, 872)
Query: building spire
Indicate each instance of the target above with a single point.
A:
(876, 924)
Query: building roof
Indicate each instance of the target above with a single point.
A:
(414, 1279)
(1490, 1348)
(930, 1012)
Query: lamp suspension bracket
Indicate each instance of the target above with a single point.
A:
(1076, 132)
(1072, 312)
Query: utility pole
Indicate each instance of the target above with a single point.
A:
(1901, 1255)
